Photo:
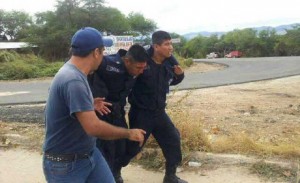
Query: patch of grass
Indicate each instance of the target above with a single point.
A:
(8, 56)
(17, 70)
(187, 62)
(184, 62)
(48, 70)
(15, 66)
(191, 131)
(192, 139)
(189, 126)
(235, 143)
(151, 158)
(242, 144)
(285, 150)
(273, 172)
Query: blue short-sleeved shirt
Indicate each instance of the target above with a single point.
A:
(69, 93)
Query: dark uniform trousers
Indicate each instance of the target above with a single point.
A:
(163, 130)
(113, 150)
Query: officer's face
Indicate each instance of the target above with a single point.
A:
(135, 68)
(165, 49)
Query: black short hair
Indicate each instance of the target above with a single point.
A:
(137, 53)
(159, 37)
(83, 54)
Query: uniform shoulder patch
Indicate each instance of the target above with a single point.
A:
(112, 69)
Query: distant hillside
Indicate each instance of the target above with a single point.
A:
(279, 29)
(191, 35)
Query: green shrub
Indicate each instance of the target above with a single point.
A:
(188, 62)
(48, 70)
(18, 70)
(25, 66)
(8, 56)
(184, 63)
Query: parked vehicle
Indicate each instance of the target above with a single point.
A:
(234, 54)
(212, 55)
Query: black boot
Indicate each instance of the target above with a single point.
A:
(170, 176)
(119, 179)
(173, 179)
(117, 175)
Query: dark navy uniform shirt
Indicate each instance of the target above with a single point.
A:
(111, 80)
(151, 87)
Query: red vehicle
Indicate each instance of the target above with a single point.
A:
(234, 54)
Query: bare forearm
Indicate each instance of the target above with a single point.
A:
(95, 127)
(101, 129)
(107, 131)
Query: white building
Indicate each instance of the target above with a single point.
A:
(13, 45)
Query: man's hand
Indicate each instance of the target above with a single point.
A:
(137, 135)
(101, 106)
(178, 70)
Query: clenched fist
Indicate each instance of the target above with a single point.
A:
(137, 135)
(178, 70)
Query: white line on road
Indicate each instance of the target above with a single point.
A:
(2, 94)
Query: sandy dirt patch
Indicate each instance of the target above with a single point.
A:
(17, 165)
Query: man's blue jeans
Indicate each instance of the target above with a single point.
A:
(91, 170)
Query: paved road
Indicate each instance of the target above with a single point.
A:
(239, 70)
(242, 70)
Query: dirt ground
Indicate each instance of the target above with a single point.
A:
(266, 111)
(23, 166)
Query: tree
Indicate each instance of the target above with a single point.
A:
(267, 41)
(244, 40)
(210, 44)
(140, 26)
(194, 48)
(2, 15)
(52, 31)
(93, 4)
(68, 13)
(292, 40)
(110, 20)
(12, 24)
(178, 47)
(52, 34)
(280, 48)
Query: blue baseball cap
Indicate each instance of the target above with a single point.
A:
(87, 39)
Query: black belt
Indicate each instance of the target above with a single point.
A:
(66, 157)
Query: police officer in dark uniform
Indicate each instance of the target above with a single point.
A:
(113, 81)
(148, 102)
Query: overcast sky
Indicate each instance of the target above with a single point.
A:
(184, 16)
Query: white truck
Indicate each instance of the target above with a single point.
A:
(212, 55)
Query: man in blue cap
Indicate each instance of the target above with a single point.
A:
(70, 153)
